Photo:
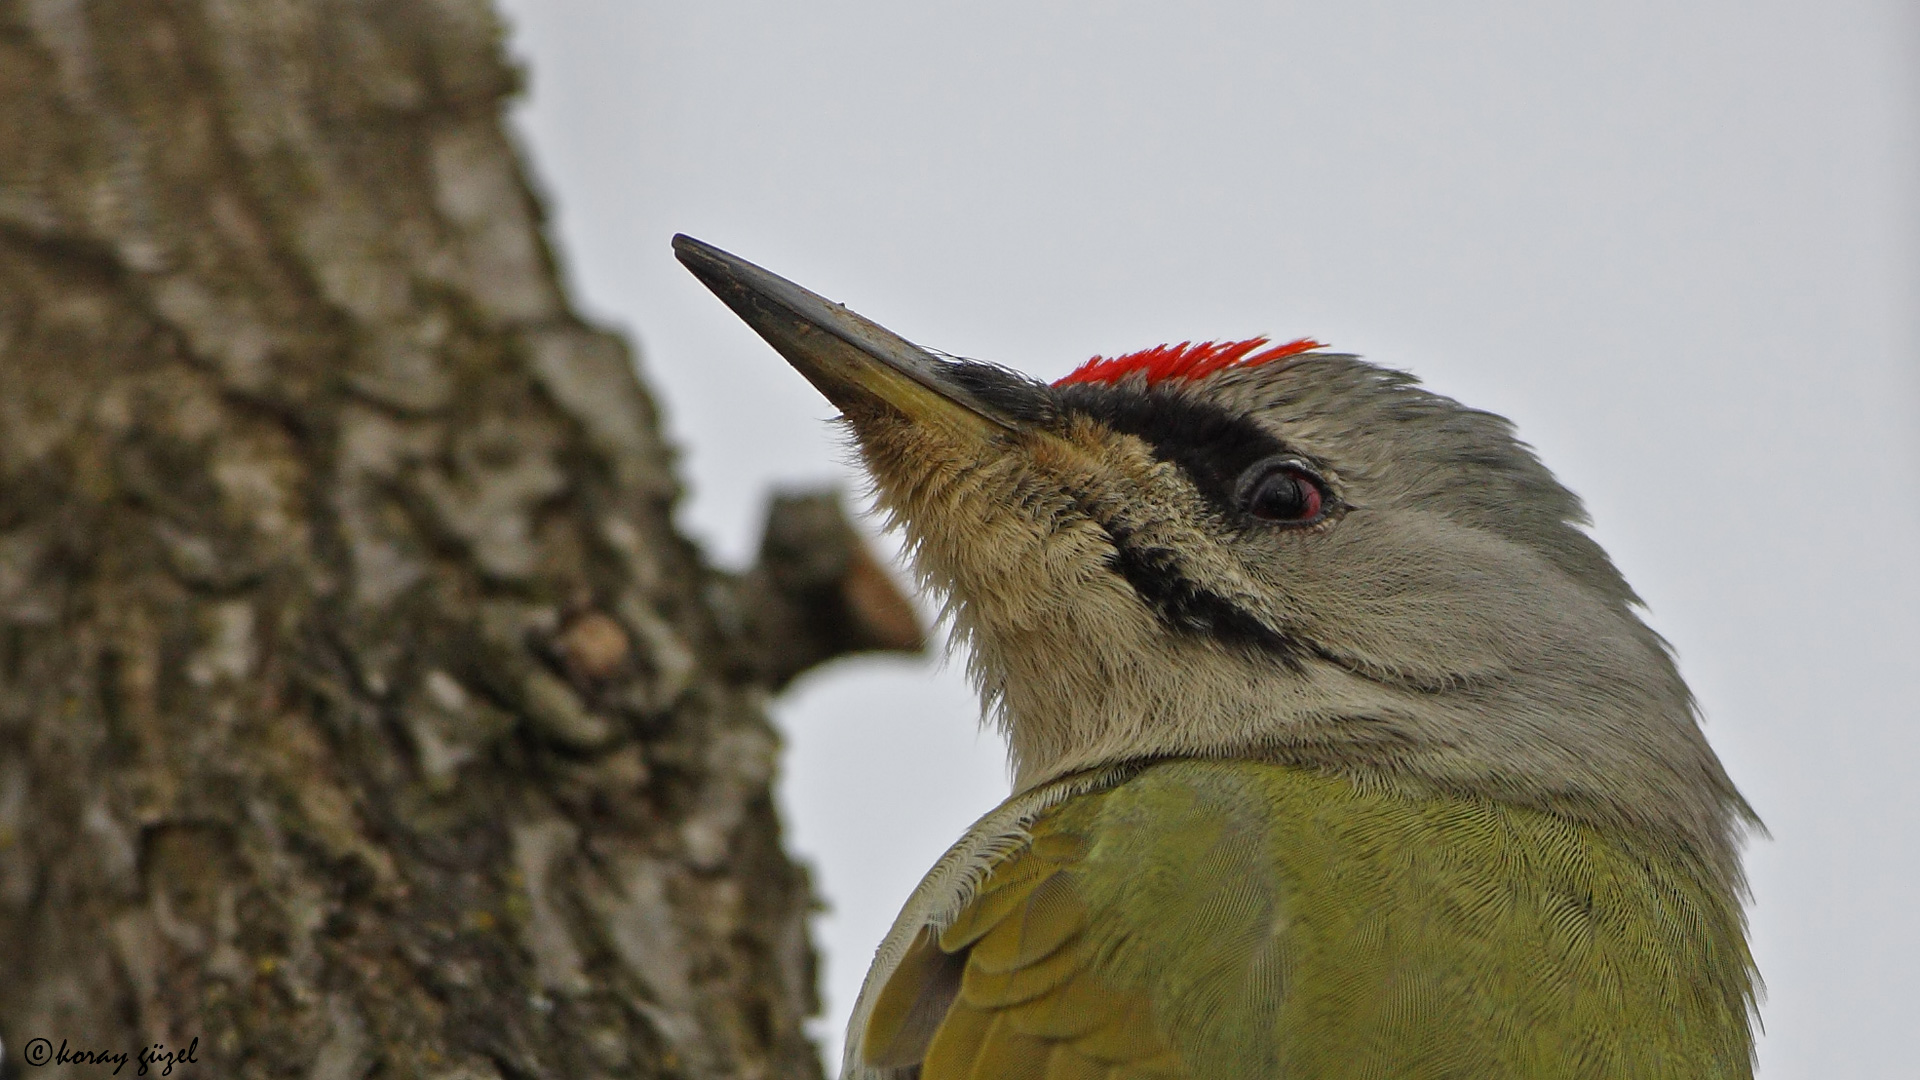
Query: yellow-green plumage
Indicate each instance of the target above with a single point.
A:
(1216, 919)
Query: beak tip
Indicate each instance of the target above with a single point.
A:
(697, 256)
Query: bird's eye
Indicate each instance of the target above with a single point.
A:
(1283, 491)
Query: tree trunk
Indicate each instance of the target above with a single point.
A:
(361, 711)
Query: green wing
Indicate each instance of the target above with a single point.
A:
(1234, 920)
(1012, 988)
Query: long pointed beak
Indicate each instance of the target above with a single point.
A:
(852, 360)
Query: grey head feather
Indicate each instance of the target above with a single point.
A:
(1453, 629)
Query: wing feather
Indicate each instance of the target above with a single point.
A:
(1052, 915)
(1215, 920)
(912, 1004)
(1064, 1064)
(1030, 1002)
(958, 1044)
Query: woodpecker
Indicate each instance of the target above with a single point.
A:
(1339, 749)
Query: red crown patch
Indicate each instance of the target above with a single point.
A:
(1187, 360)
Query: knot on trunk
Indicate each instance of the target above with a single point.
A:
(818, 592)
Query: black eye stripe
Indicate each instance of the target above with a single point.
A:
(1213, 446)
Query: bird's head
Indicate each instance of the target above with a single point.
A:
(1237, 550)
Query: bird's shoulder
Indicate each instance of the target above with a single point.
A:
(1230, 918)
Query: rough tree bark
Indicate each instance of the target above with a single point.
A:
(361, 711)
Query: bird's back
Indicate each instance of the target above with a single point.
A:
(1233, 919)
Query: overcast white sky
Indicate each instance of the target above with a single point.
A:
(1678, 242)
